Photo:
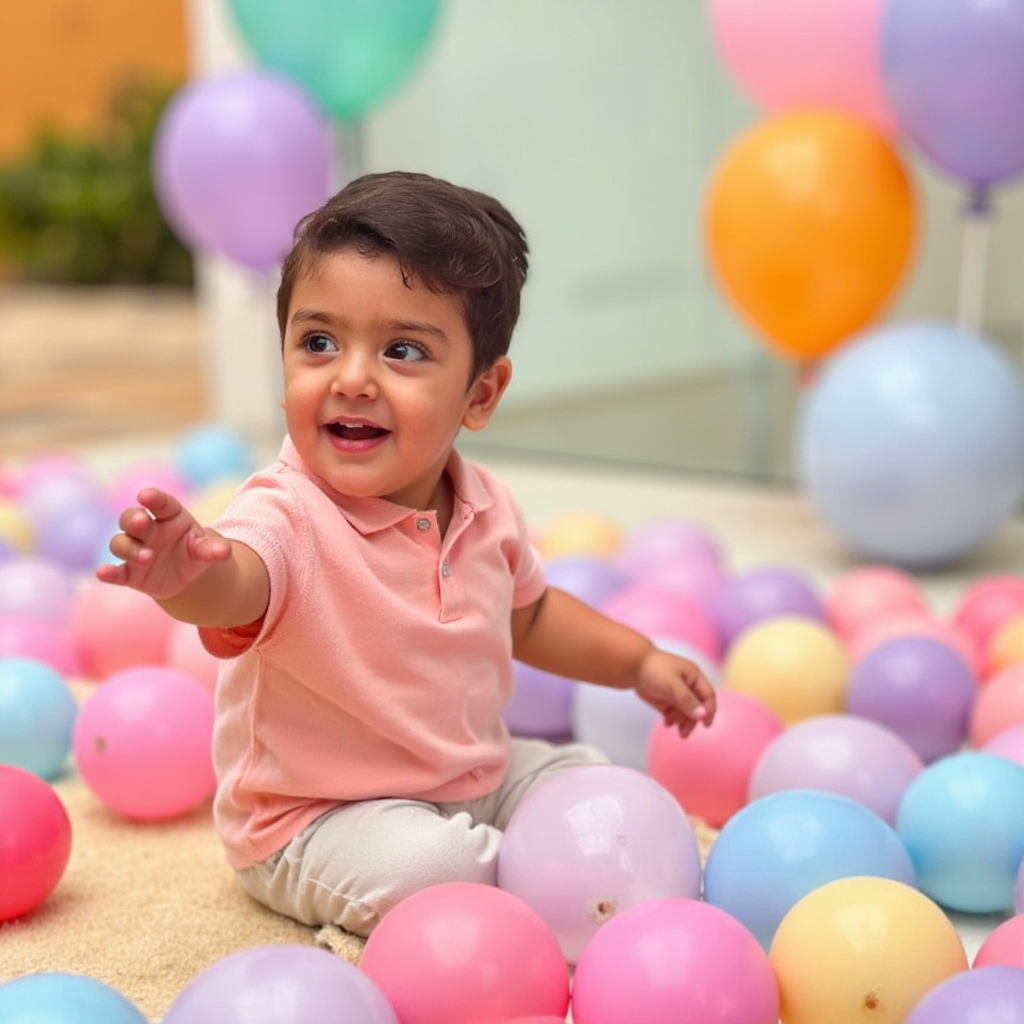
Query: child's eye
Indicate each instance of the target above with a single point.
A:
(318, 343)
(405, 352)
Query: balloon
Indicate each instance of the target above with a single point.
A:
(899, 625)
(460, 953)
(32, 636)
(664, 539)
(809, 223)
(869, 594)
(37, 586)
(58, 998)
(349, 54)
(541, 703)
(781, 847)
(954, 74)
(1008, 743)
(615, 721)
(37, 714)
(1006, 648)
(665, 612)
(961, 821)
(986, 606)
(764, 592)
(911, 443)
(859, 949)
(592, 841)
(238, 159)
(579, 533)
(285, 984)
(1004, 945)
(789, 54)
(590, 578)
(988, 995)
(670, 960)
(212, 452)
(998, 705)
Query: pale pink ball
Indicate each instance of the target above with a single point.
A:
(864, 596)
(670, 614)
(143, 743)
(1004, 945)
(125, 487)
(917, 624)
(186, 653)
(23, 635)
(998, 705)
(1008, 743)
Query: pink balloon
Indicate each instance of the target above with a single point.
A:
(1008, 743)
(23, 635)
(461, 953)
(987, 606)
(664, 613)
(709, 772)
(788, 54)
(673, 960)
(998, 705)
(186, 654)
(697, 576)
(143, 743)
(660, 540)
(118, 628)
(870, 594)
(916, 624)
(845, 754)
(1003, 946)
(591, 841)
(125, 487)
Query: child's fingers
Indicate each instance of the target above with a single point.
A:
(212, 549)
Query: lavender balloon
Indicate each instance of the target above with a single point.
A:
(762, 593)
(854, 757)
(588, 577)
(661, 539)
(697, 576)
(541, 704)
(954, 74)
(37, 586)
(590, 842)
(237, 160)
(920, 689)
(983, 995)
(72, 538)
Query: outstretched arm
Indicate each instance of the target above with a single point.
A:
(193, 572)
(562, 635)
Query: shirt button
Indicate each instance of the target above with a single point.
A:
(446, 570)
(422, 524)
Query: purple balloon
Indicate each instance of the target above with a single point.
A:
(37, 586)
(761, 593)
(541, 704)
(591, 841)
(919, 688)
(982, 995)
(74, 537)
(954, 75)
(854, 757)
(238, 160)
(588, 577)
(661, 539)
(286, 984)
(58, 494)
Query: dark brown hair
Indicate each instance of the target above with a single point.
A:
(451, 239)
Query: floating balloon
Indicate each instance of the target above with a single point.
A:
(809, 224)
(911, 443)
(238, 159)
(349, 54)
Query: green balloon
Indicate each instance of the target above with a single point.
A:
(348, 54)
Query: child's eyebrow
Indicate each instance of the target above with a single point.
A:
(416, 326)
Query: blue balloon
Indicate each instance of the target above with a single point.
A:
(962, 821)
(37, 717)
(777, 849)
(211, 452)
(55, 998)
(911, 443)
(954, 75)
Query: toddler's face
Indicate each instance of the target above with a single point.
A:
(376, 378)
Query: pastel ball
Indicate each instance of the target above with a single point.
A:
(158, 473)
(34, 636)
(1008, 743)
(15, 527)
(1006, 647)
(210, 452)
(986, 606)
(37, 716)
(918, 624)
(1003, 945)
(593, 579)
(50, 997)
(579, 533)
(998, 705)
(33, 585)
(986, 994)
(911, 443)
(667, 539)
(868, 594)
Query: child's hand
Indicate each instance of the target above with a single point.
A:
(677, 688)
(163, 548)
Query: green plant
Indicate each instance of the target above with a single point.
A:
(83, 211)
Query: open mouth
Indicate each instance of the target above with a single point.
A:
(356, 431)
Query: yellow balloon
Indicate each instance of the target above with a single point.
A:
(797, 667)
(15, 528)
(579, 533)
(810, 222)
(1007, 646)
(210, 502)
(861, 949)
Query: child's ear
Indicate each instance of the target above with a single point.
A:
(485, 393)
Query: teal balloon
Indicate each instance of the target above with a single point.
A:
(348, 54)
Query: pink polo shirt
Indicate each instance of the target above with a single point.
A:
(384, 661)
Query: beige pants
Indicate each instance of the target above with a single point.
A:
(352, 865)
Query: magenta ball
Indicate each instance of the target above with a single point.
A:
(281, 984)
(662, 539)
(37, 586)
(919, 688)
(673, 960)
(33, 636)
(590, 578)
(854, 757)
(541, 704)
(1008, 743)
(462, 953)
(1004, 945)
(589, 842)
(664, 613)
(761, 593)
(709, 771)
(35, 841)
(125, 487)
(143, 743)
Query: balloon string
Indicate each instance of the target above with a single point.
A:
(974, 257)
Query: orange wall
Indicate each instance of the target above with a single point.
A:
(60, 60)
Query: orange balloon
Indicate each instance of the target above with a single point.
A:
(810, 223)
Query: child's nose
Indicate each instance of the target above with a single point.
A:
(355, 376)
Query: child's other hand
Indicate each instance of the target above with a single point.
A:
(162, 547)
(677, 688)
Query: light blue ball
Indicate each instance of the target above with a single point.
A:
(962, 821)
(37, 717)
(212, 452)
(911, 443)
(55, 998)
(777, 849)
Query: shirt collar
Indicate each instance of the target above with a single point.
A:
(370, 515)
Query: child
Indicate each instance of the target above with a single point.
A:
(369, 590)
